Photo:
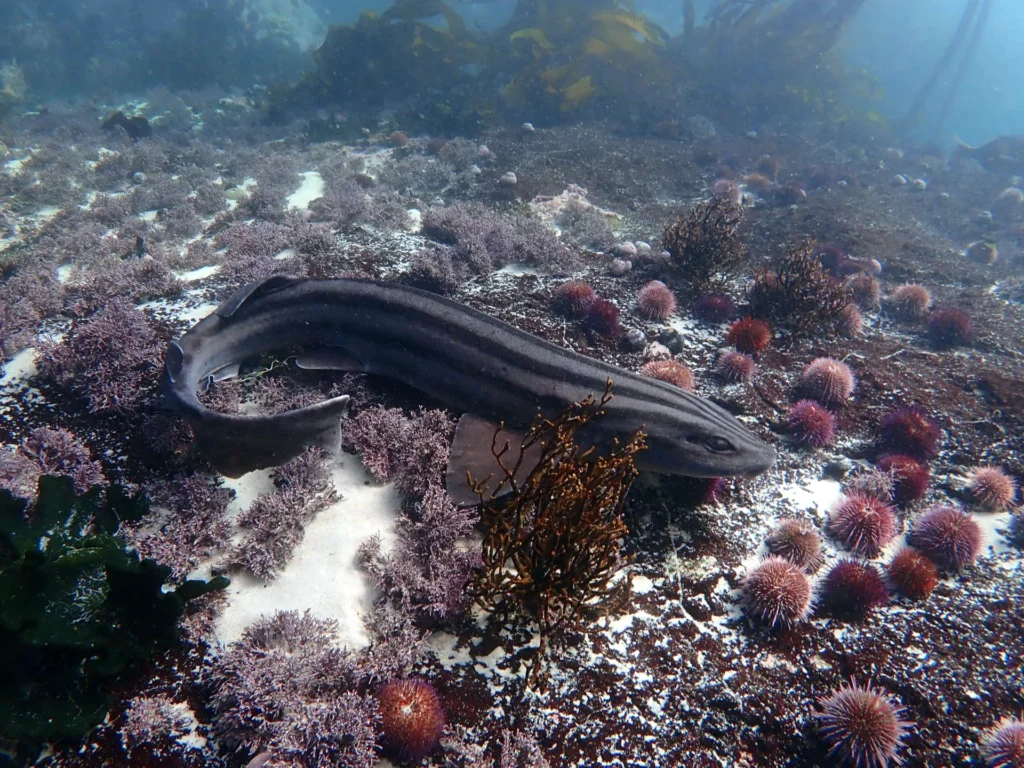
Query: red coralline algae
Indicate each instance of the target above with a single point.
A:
(798, 542)
(949, 327)
(912, 573)
(573, 298)
(655, 301)
(714, 307)
(863, 523)
(862, 727)
(852, 589)
(603, 317)
(911, 301)
(777, 592)
(811, 424)
(412, 720)
(949, 536)
(670, 371)
(828, 381)
(1003, 746)
(910, 478)
(49, 452)
(909, 431)
(749, 335)
(735, 366)
(991, 488)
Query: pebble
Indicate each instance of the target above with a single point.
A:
(138, 178)
(643, 250)
(656, 351)
(672, 339)
(619, 267)
(484, 151)
(919, 185)
(899, 180)
(528, 127)
(984, 216)
(635, 338)
(475, 170)
(839, 467)
(624, 250)
(842, 183)
(508, 180)
(751, 135)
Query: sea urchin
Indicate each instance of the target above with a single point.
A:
(912, 573)
(735, 366)
(655, 301)
(669, 371)
(991, 488)
(749, 335)
(811, 424)
(828, 381)
(853, 589)
(949, 536)
(909, 431)
(412, 720)
(862, 726)
(863, 523)
(777, 592)
(796, 541)
(1003, 746)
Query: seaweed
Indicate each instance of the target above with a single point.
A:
(704, 245)
(561, 529)
(80, 610)
(799, 294)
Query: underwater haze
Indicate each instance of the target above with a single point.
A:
(511, 383)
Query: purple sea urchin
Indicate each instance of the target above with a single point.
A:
(862, 727)
(798, 542)
(811, 424)
(828, 381)
(949, 326)
(735, 366)
(911, 301)
(1003, 746)
(864, 523)
(777, 592)
(852, 589)
(412, 720)
(912, 573)
(909, 431)
(670, 371)
(949, 536)
(910, 477)
(603, 317)
(991, 488)
(655, 301)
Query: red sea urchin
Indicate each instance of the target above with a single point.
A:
(1003, 746)
(777, 592)
(573, 298)
(851, 590)
(655, 301)
(412, 720)
(811, 424)
(828, 381)
(909, 431)
(862, 727)
(670, 371)
(949, 536)
(910, 478)
(735, 366)
(864, 523)
(912, 573)
(991, 488)
(949, 327)
(749, 335)
(603, 317)
(796, 541)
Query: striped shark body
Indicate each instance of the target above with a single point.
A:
(472, 362)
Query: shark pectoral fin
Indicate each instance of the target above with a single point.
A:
(476, 440)
(330, 359)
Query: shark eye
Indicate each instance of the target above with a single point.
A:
(717, 444)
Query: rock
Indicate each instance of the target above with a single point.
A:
(3, 149)
(751, 135)
(643, 250)
(656, 351)
(624, 250)
(984, 217)
(474, 170)
(839, 467)
(919, 185)
(635, 338)
(138, 178)
(672, 339)
(528, 128)
(484, 151)
(899, 180)
(619, 267)
(508, 180)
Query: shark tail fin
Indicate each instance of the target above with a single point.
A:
(235, 445)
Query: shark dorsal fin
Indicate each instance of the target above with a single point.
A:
(251, 291)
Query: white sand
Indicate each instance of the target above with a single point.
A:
(323, 575)
(311, 188)
(21, 366)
